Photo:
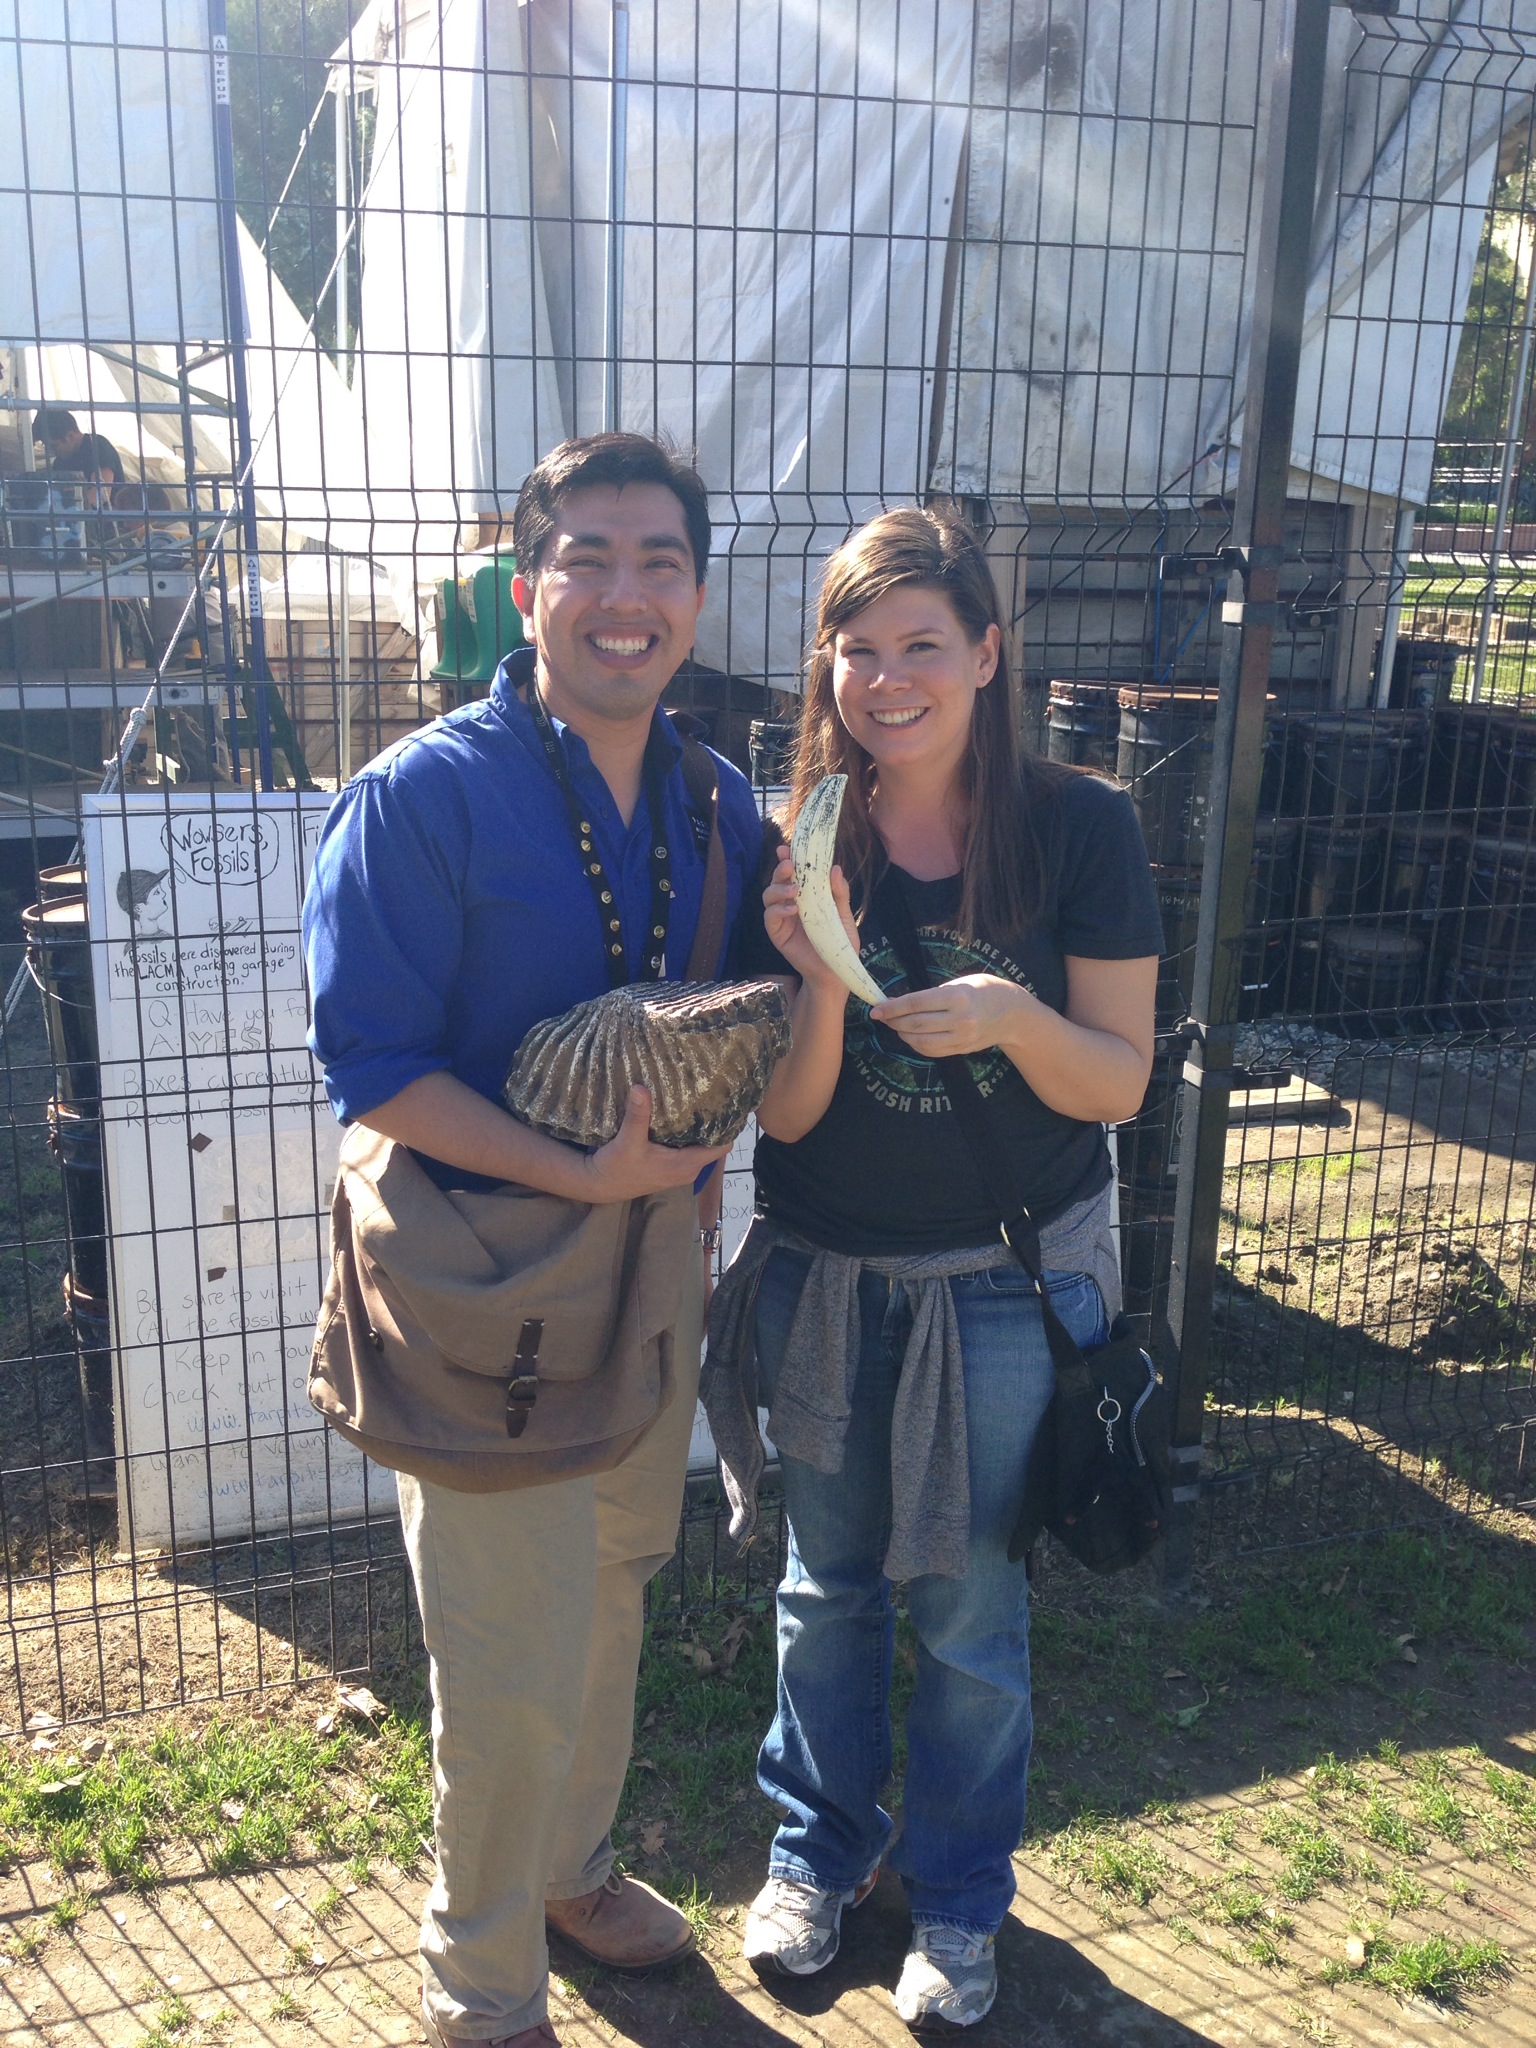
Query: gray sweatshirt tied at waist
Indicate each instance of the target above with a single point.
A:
(808, 1420)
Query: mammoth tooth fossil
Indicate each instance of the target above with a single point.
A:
(706, 1050)
(812, 847)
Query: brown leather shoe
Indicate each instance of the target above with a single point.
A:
(541, 2036)
(623, 1925)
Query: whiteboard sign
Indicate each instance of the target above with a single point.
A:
(220, 1152)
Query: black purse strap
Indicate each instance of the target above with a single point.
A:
(993, 1167)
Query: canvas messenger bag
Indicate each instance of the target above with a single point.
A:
(487, 1341)
(510, 1338)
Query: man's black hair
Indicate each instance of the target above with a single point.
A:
(614, 460)
(51, 423)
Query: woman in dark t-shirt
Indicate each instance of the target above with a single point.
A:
(898, 1346)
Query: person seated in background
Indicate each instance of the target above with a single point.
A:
(138, 532)
(69, 453)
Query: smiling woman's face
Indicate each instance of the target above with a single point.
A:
(905, 678)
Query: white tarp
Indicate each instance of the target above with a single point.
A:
(109, 226)
(786, 262)
(457, 400)
(1112, 203)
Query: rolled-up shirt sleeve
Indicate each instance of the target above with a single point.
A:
(383, 939)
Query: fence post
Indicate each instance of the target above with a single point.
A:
(1248, 620)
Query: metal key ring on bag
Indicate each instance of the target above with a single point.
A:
(1109, 1409)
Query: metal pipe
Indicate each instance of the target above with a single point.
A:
(1402, 544)
(343, 228)
(224, 165)
(1248, 620)
(618, 126)
(344, 677)
(1514, 427)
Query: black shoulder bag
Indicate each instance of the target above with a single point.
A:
(1098, 1477)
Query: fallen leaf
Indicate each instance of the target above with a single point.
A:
(702, 1660)
(58, 1785)
(278, 1904)
(649, 1721)
(121, 1919)
(1354, 1952)
(232, 1809)
(653, 1838)
(93, 1747)
(41, 1720)
(1405, 1649)
(1175, 1673)
(43, 1743)
(1336, 1586)
(325, 1724)
(641, 1763)
(1186, 1717)
(357, 1699)
(732, 1641)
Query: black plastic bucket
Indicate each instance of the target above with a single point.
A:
(1341, 869)
(1360, 762)
(1148, 1146)
(59, 955)
(61, 884)
(91, 1322)
(1375, 970)
(75, 1140)
(1512, 765)
(1164, 755)
(1423, 673)
(1461, 774)
(1425, 867)
(1178, 900)
(1083, 724)
(1272, 885)
(1487, 989)
(1501, 897)
(771, 750)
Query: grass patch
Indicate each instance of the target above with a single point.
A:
(1437, 1968)
(1313, 1857)
(246, 1794)
(1382, 1822)
(1113, 1860)
(172, 2017)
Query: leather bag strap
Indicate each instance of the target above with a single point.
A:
(702, 784)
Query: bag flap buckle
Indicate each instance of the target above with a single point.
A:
(523, 1387)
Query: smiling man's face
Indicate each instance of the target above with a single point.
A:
(613, 605)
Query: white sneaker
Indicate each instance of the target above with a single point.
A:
(949, 1976)
(795, 1928)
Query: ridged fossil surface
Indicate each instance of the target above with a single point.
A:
(705, 1049)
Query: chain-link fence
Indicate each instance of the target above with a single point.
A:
(1214, 318)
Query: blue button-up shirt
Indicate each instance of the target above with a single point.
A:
(448, 911)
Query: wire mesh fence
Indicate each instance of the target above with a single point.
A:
(316, 281)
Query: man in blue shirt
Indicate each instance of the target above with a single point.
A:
(486, 873)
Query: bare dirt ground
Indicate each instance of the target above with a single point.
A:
(1380, 1305)
(246, 1964)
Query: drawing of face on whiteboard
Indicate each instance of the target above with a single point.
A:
(145, 895)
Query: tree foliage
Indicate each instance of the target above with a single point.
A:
(278, 55)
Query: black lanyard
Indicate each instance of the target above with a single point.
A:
(604, 894)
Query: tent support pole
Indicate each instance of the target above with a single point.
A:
(1248, 627)
(234, 302)
(1514, 426)
(618, 169)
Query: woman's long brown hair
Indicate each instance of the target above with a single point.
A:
(1009, 796)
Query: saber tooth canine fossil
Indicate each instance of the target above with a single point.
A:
(812, 847)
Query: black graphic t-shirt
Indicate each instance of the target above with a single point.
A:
(887, 1170)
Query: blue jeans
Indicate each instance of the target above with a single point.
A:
(827, 1757)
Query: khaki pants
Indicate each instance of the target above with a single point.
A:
(531, 1606)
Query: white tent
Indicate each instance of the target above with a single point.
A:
(109, 226)
(759, 226)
